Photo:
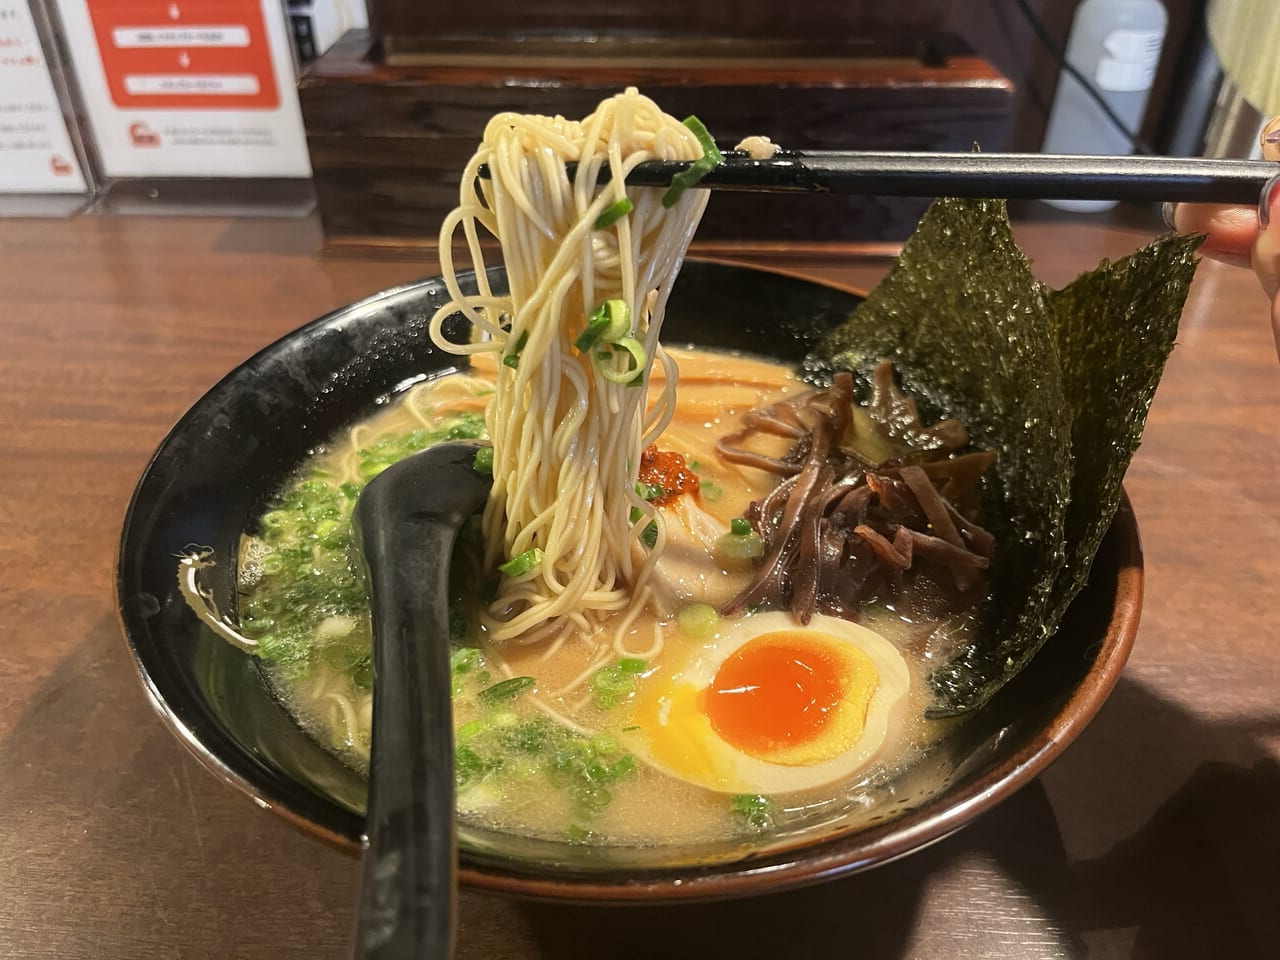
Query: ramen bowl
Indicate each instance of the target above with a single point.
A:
(212, 474)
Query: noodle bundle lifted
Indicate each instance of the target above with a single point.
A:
(589, 271)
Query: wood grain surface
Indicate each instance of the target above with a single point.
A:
(387, 139)
(1155, 836)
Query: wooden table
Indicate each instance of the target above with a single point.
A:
(1157, 835)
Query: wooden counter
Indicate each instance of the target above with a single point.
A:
(1157, 835)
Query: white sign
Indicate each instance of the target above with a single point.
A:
(188, 88)
(172, 37)
(214, 84)
(36, 154)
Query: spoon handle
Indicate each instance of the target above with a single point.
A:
(408, 884)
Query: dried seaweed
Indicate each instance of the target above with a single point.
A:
(1114, 328)
(1031, 372)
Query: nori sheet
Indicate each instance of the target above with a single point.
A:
(1058, 383)
(1114, 328)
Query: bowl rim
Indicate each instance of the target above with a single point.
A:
(772, 871)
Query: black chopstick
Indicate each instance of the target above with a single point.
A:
(1021, 176)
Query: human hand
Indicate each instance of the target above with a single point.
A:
(1243, 235)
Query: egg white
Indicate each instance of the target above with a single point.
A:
(668, 703)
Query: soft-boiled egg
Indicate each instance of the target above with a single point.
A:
(769, 706)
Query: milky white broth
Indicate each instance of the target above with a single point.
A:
(646, 806)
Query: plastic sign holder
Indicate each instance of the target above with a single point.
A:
(192, 105)
(42, 166)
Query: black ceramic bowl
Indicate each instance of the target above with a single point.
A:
(208, 480)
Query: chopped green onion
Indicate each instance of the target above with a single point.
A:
(530, 737)
(484, 461)
(512, 359)
(756, 811)
(469, 766)
(465, 659)
(624, 766)
(613, 684)
(596, 327)
(522, 563)
(506, 689)
(710, 491)
(739, 526)
(277, 520)
(507, 719)
(634, 373)
(331, 533)
(613, 213)
(650, 491)
(650, 535)
(610, 322)
(590, 797)
(619, 315)
(698, 620)
(687, 178)
(473, 728)
(371, 468)
(737, 547)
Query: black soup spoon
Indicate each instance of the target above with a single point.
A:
(407, 520)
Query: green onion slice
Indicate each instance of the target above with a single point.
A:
(610, 322)
(506, 689)
(698, 620)
(614, 212)
(756, 811)
(512, 359)
(522, 563)
(687, 178)
(650, 491)
(465, 659)
(594, 330)
(634, 373)
(746, 546)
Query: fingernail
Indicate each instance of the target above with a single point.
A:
(1169, 212)
(1272, 137)
(1265, 201)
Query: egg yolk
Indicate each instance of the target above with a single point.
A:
(776, 696)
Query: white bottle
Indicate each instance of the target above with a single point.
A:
(1115, 44)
